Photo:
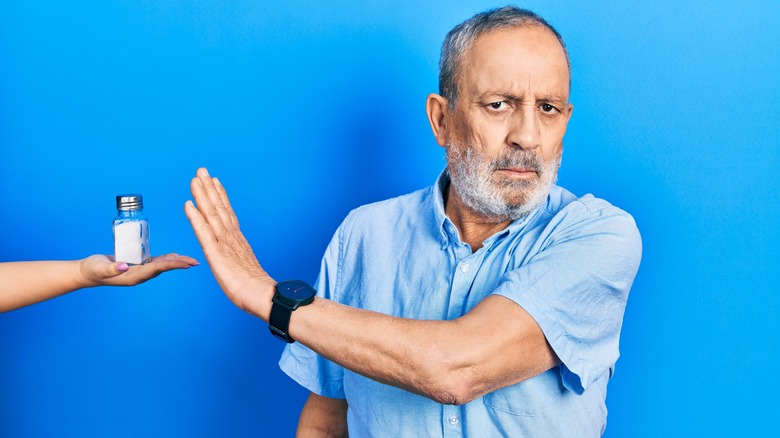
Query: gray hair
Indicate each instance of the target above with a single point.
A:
(462, 37)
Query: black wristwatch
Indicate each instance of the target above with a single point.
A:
(289, 295)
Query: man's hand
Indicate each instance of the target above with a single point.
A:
(229, 255)
(100, 270)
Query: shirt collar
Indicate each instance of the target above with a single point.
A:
(447, 230)
(444, 227)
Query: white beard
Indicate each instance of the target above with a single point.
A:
(471, 174)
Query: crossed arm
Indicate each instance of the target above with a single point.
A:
(25, 283)
(499, 343)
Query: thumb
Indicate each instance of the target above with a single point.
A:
(97, 268)
(110, 270)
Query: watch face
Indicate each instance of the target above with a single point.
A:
(295, 290)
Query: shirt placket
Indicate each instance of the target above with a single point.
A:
(452, 421)
(466, 268)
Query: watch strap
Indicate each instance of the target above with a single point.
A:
(279, 322)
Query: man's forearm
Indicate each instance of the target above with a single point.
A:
(323, 417)
(451, 362)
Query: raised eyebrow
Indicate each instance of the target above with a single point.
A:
(490, 97)
(511, 97)
(555, 99)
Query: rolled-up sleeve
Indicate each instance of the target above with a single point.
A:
(309, 369)
(577, 285)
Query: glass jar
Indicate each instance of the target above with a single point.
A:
(131, 231)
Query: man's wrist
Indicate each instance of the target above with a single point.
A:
(288, 296)
(261, 307)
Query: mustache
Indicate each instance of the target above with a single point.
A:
(518, 159)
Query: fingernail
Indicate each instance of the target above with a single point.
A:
(203, 172)
(122, 267)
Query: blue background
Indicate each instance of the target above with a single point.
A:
(318, 107)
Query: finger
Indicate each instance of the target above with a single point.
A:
(210, 184)
(206, 208)
(226, 202)
(162, 264)
(173, 256)
(140, 273)
(210, 205)
(203, 231)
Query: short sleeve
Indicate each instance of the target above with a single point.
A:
(309, 369)
(577, 285)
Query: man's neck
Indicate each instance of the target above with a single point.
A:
(473, 227)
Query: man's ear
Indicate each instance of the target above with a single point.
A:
(437, 108)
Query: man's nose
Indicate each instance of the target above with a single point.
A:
(524, 129)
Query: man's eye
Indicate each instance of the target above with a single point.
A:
(497, 105)
(547, 108)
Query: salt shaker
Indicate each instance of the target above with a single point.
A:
(131, 231)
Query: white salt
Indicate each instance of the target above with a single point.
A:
(131, 242)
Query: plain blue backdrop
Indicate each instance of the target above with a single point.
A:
(318, 107)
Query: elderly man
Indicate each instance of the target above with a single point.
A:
(489, 304)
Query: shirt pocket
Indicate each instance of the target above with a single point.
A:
(528, 398)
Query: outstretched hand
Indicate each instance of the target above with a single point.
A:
(26, 283)
(227, 251)
(100, 270)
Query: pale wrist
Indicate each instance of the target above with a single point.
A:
(81, 278)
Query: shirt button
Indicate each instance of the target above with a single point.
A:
(454, 420)
(464, 268)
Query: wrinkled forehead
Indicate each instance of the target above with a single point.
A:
(510, 57)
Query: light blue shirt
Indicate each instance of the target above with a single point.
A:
(569, 264)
